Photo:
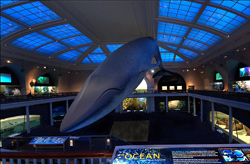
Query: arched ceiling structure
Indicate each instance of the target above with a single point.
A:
(82, 34)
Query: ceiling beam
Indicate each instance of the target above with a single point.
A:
(14, 4)
(85, 54)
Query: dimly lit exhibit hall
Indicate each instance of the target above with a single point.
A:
(81, 78)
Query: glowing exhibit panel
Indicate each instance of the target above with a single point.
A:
(164, 88)
(5, 78)
(245, 72)
(218, 76)
(179, 87)
(43, 80)
(171, 87)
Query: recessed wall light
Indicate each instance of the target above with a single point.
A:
(152, 71)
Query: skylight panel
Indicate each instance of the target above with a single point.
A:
(98, 51)
(86, 61)
(74, 59)
(31, 13)
(68, 55)
(5, 2)
(220, 19)
(173, 47)
(170, 28)
(189, 54)
(31, 41)
(239, 5)
(77, 40)
(51, 48)
(179, 9)
(163, 49)
(97, 58)
(8, 27)
(83, 49)
(169, 38)
(167, 57)
(61, 31)
(203, 36)
(113, 47)
(178, 59)
(195, 45)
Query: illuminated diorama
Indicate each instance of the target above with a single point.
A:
(135, 104)
(176, 105)
(240, 131)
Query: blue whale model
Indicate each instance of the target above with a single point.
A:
(113, 81)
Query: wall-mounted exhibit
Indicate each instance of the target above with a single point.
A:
(135, 104)
(245, 72)
(176, 105)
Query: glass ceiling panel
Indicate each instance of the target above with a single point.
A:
(178, 59)
(187, 53)
(173, 47)
(171, 28)
(163, 49)
(86, 61)
(113, 47)
(68, 55)
(61, 31)
(169, 38)
(220, 19)
(97, 58)
(203, 36)
(239, 5)
(31, 41)
(51, 48)
(83, 49)
(7, 26)
(195, 45)
(77, 40)
(98, 51)
(167, 57)
(5, 2)
(179, 9)
(31, 13)
(74, 59)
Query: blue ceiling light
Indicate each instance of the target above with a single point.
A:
(167, 57)
(170, 28)
(68, 55)
(173, 47)
(239, 5)
(51, 48)
(169, 38)
(31, 41)
(113, 47)
(74, 59)
(4, 2)
(86, 61)
(220, 19)
(163, 49)
(178, 59)
(203, 36)
(179, 9)
(8, 27)
(61, 31)
(77, 40)
(189, 54)
(97, 58)
(31, 13)
(195, 45)
(83, 49)
(98, 51)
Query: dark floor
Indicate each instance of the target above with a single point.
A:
(164, 128)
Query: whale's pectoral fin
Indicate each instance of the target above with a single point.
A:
(147, 67)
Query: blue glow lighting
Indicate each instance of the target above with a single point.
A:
(5, 2)
(220, 19)
(113, 47)
(187, 53)
(83, 49)
(51, 48)
(86, 61)
(173, 47)
(74, 59)
(163, 49)
(77, 40)
(31, 13)
(178, 59)
(195, 45)
(31, 41)
(98, 51)
(68, 55)
(203, 36)
(171, 28)
(167, 57)
(239, 5)
(97, 58)
(61, 31)
(169, 38)
(5, 78)
(8, 26)
(179, 9)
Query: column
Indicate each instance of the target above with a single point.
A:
(188, 104)
(51, 114)
(194, 104)
(201, 110)
(152, 104)
(27, 119)
(121, 108)
(167, 104)
(67, 105)
(230, 124)
(213, 126)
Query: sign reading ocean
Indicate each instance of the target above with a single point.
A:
(177, 154)
(48, 140)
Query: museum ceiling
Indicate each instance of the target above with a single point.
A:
(82, 34)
